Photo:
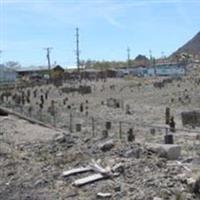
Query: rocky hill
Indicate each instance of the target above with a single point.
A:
(191, 47)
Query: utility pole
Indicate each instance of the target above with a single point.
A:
(152, 64)
(150, 56)
(77, 50)
(128, 57)
(0, 55)
(163, 57)
(48, 49)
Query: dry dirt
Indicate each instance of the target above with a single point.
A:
(32, 157)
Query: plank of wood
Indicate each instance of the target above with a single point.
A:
(104, 195)
(89, 179)
(76, 171)
(97, 168)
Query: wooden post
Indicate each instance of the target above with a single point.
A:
(108, 125)
(93, 127)
(166, 131)
(30, 111)
(78, 127)
(193, 148)
(21, 109)
(120, 130)
(167, 115)
(40, 115)
(70, 122)
(104, 134)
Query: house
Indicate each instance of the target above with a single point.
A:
(30, 73)
(57, 72)
(90, 73)
(140, 70)
(111, 73)
(141, 60)
(122, 72)
(58, 68)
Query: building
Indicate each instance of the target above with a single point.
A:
(159, 70)
(57, 72)
(140, 70)
(7, 75)
(90, 73)
(170, 70)
(141, 60)
(30, 73)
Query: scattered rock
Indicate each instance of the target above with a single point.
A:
(107, 146)
(40, 183)
(169, 151)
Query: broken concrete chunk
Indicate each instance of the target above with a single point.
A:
(169, 151)
(194, 185)
(64, 138)
(3, 112)
(108, 145)
(40, 183)
(60, 138)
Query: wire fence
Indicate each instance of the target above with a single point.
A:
(77, 122)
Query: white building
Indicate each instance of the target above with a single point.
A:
(7, 75)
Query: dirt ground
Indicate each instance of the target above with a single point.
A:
(33, 157)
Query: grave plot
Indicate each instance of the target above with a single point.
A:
(51, 130)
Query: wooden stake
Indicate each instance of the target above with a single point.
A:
(93, 127)
(88, 179)
(76, 171)
(70, 122)
(120, 130)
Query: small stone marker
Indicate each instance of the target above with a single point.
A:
(78, 127)
(131, 136)
(108, 125)
(169, 139)
(152, 131)
(104, 134)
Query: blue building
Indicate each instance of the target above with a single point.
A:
(170, 70)
(159, 70)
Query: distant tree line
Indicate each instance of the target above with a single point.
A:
(12, 65)
(103, 64)
(139, 60)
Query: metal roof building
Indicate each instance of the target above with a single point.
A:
(7, 75)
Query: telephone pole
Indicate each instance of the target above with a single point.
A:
(77, 50)
(128, 57)
(0, 55)
(48, 49)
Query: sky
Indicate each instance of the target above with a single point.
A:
(106, 27)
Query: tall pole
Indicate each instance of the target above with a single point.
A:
(163, 57)
(48, 49)
(150, 56)
(77, 50)
(128, 57)
(0, 55)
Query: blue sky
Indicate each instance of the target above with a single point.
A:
(107, 28)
